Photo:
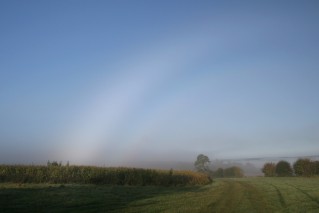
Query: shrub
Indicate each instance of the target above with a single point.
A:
(269, 169)
(304, 167)
(219, 173)
(283, 169)
(316, 167)
(233, 172)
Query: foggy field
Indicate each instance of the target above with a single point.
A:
(223, 195)
(159, 106)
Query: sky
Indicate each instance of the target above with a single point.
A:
(109, 82)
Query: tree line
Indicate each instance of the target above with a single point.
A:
(302, 167)
(202, 164)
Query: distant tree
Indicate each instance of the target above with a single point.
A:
(233, 171)
(304, 167)
(316, 167)
(269, 169)
(219, 173)
(54, 163)
(202, 163)
(283, 169)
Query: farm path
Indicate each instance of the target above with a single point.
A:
(232, 196)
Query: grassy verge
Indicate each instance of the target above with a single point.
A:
(224, 195)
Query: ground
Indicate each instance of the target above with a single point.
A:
(223, 195)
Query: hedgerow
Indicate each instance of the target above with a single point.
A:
(99, 175)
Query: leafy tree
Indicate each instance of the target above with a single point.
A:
(202, 163)
(304, 167)
(219, 173)
(54, 163)
(283, 169)
(233, 172)
(269, 169)
(316, 167)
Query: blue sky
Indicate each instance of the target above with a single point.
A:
(110, 82)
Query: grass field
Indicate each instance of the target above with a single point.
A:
(223, 195)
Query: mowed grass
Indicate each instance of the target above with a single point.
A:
(223, 195)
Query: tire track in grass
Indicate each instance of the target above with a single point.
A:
(255, 197)
(234, 195)
(305, 193)
(223, 189)
(281, 198)
(226, 198)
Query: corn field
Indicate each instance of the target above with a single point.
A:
(99, 175)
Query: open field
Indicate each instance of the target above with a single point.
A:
(223, 195)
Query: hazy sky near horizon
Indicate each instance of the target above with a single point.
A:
(116, 81)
